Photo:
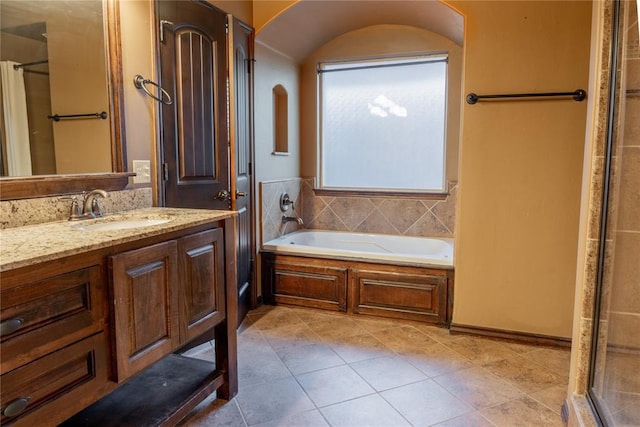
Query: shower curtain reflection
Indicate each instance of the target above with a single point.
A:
(16, 147)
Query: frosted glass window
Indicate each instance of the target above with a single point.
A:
(382, 124)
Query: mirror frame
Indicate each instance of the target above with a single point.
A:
(12, 188)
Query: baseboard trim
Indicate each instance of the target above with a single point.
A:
(511, 335)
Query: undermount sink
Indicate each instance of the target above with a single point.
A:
(121, 224)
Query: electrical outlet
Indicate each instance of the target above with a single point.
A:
(142, 168)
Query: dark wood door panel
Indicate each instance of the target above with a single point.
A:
(146, 306)
(241, 59)
(202, 287)
(194, 134)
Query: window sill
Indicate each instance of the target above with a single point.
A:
(381, 194)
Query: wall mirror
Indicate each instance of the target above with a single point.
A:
(61, 93)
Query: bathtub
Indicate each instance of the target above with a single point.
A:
(400, 277)
(428, 252)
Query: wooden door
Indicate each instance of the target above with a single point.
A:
(194, 132)
(241, 119)
(145, 306)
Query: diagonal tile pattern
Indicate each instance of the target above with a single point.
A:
(305, 367)
(362, 214)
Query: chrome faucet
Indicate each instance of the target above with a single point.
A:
(286, 219)
(90, 207)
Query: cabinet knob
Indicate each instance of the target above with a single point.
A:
(9, 326)
(240, 194)
(16, 407)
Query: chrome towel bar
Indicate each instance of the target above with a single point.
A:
(141, 83)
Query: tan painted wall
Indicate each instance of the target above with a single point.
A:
(138, 58)
(521, 166)
(520, 163)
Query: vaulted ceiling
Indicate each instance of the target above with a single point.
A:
(309, 24)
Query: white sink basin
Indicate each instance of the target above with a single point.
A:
(123, 224)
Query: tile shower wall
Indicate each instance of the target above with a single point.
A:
(16, 213)
(385, 215)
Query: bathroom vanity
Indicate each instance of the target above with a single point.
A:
(94, 314)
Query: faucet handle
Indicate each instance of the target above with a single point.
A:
(75, 212)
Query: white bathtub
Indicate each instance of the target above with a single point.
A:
(432, 252)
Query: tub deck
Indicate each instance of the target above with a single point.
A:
(358, 287)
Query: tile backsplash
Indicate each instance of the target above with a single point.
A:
(363, 214)
(16, 213)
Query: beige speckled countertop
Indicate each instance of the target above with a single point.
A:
(32, 244)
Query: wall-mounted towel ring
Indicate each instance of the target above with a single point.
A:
(141, 83)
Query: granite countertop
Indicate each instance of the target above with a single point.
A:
(32, 244)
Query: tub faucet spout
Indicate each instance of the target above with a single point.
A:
(286, 219)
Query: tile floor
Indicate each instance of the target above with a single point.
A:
(305, 367)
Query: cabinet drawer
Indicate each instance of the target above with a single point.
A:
(40, 317)
(70, 377)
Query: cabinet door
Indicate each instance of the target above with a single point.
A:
(202, 282)
(145, 305)
(398, 294)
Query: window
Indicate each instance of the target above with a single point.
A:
(382, 124)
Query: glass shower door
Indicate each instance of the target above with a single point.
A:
(615, 361)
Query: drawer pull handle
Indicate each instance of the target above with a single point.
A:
(16, 407)
(10, 326)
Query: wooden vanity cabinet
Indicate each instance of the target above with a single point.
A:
(165, 295)
(82, 328)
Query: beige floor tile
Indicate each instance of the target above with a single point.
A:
(274, 400)
(478, 387)
(551, 397)
(557, 360)
(333, 385)
(404, 339)
(368, 411)
(276, 317)
(259, 365)
(373, 324)
(304, 419)
(471, 419)
(336, 327)
(215, 413)
(289, 336)
(383, 373)
(425, 403)
(359, 347)
(441, 335)
(524, 412)
(308, 358)
(524, 374)
(481, 350)
(437, 359)
(310, 315)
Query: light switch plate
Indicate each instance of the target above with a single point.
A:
(142, 168)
